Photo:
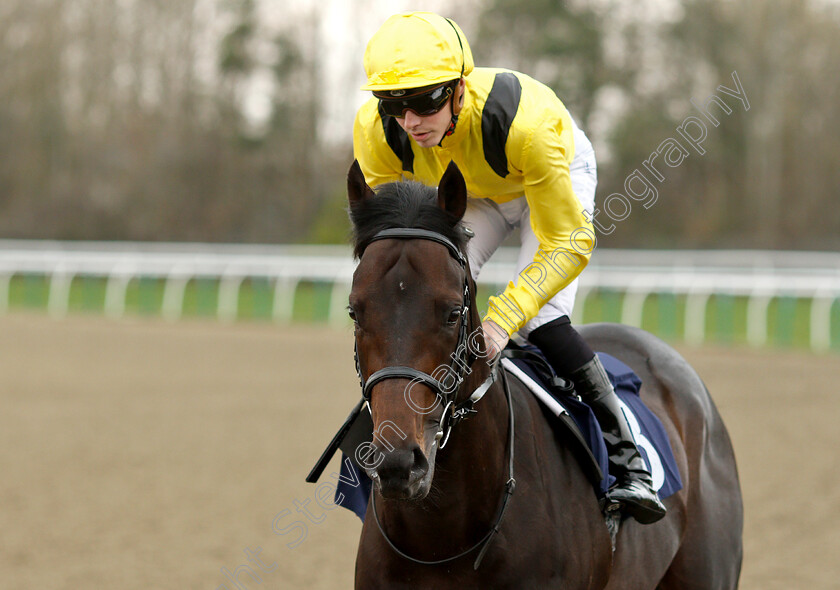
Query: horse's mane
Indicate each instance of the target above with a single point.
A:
(402, 204)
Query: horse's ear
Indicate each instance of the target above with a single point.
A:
(357, 189)
(452, 191)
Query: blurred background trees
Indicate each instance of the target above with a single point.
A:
(206, 120)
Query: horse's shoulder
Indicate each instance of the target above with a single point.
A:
(529, 412)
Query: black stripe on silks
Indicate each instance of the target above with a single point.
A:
(398, 141)
(496, 119)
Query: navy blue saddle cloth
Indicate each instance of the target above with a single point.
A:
(353, 486)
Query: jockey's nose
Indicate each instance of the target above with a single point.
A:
(412, 119)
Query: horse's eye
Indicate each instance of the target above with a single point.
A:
(454, 316)
(352, 313)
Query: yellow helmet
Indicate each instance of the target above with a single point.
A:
(416, 49)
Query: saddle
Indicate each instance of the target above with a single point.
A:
(571, 419)
(650, 436)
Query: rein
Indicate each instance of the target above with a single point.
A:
(453, 413)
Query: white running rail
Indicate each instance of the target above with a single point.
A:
(698, 275)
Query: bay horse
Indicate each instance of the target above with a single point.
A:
(506, 503)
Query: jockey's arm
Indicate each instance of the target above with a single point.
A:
(566, 237)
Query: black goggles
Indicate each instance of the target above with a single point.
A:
(421, 101)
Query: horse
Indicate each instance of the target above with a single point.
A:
(506, 504)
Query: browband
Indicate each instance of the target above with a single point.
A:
(410, 233)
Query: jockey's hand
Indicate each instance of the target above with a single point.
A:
(495, 339)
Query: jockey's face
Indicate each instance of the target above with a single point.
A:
(428, 130)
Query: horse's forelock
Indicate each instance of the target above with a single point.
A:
(402, 204)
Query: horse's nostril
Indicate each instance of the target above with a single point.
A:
(401, 467)
(396, 465)
(420, 462)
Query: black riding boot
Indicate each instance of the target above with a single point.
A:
(572, 358)
(634, 488)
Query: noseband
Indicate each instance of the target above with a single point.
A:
(462, 357)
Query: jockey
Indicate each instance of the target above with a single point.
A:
(526, 165)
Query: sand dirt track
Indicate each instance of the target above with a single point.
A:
(138, 454)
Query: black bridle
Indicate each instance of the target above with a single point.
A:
(453, 411)
(462, 358)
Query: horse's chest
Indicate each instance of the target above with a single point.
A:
(538, 559)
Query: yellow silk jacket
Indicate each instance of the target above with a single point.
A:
(513, 138)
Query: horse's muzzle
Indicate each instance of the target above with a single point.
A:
(403, 474)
